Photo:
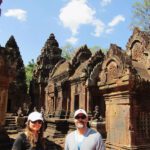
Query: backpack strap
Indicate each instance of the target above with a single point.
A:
(89, 130)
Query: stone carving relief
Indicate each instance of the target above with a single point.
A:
(110, 72)
(137, 51)
(82, 54)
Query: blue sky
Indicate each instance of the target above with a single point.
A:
(77, 22)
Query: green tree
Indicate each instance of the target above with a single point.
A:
(96, 48)
(141, 15)
(29, 71)
(67, 51)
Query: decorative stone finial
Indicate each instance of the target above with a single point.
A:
(52, 41)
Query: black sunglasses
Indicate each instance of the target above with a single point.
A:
(39, 121)
(82, 117)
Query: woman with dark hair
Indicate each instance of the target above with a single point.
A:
(32, 138)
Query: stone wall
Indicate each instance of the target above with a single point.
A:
(7, 74)
(17, 93)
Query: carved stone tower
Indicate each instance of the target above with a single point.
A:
(50, 55)
(17, 93)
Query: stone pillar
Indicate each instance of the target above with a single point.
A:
(72, 98)
(4, 139)
(88, 102)
(118, 109)
(84, 97)
(3, 104)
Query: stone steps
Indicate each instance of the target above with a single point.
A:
(12, 131)
(10, 124)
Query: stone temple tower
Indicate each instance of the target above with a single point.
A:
(50, 55)
(17, 93)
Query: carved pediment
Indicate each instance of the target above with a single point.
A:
(137, 51)
(138, 46)
(97, 57)
(61, 61)
(111, 71)
(63, 68)
(81, 55)
(114, 66)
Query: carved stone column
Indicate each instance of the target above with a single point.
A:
(89, 102)
(3, 104)
(4, 139)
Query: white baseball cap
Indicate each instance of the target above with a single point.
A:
(35, 116)
(80, 111)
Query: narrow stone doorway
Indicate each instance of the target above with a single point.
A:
(76, 102)
(9, 106)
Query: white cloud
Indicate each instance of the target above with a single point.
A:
(72, 40)
(116, 20)
(105, 2)
(17, 13)
(76, 13)
(99, 27)
(108, 31)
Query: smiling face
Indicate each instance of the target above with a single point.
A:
(35, 126)
(81, 121)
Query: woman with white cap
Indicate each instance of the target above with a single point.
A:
(32, 138)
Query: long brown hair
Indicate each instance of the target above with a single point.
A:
(30, 136)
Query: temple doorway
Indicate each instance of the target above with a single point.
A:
(76, 102)
(9, 106)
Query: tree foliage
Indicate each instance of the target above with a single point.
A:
(96, 48)
(67, 51)
(29, 71)
(141, 15)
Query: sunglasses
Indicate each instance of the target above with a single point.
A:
(37, 121)
(82, 117)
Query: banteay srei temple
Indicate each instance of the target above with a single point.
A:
(114, 89)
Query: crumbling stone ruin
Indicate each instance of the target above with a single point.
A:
(118, 83)
(17, 93)
(7, 73)
(50, 55)
(125, 82)
(72, 84)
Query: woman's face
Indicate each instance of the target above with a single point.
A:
(35, 125)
